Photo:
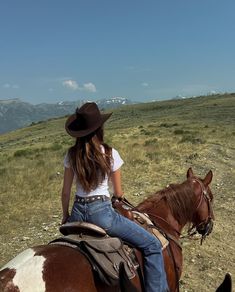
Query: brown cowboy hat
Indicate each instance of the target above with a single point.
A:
(86, 120)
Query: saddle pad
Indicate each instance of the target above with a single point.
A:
(142, 218)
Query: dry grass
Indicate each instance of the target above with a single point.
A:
(158, 143)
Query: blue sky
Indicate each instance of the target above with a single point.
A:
(52, 50)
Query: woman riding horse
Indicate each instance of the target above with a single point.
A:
(58, 268)
(92, 163)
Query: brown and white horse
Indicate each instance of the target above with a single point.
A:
(56, 268)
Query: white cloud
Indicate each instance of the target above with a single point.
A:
(144, 84)
(71, 84)
(212, 92)
(6, 85)
(90, 87)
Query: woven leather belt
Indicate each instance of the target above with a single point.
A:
(86, 200)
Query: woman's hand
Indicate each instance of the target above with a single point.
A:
(64, 219)
(117, 199)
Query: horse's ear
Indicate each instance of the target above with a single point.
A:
(207, 180)
(190, 173)
(226, 285)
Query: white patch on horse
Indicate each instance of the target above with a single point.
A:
(20, 259)
(29, 271)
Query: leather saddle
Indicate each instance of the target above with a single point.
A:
(82, 228)
(106, 253)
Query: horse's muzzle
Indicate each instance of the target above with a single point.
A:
(205, 228)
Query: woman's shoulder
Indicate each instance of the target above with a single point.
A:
(115, 154)
(114, 151)
(117, 160)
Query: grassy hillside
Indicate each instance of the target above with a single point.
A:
(158, 141)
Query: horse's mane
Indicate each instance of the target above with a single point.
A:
(178, 197)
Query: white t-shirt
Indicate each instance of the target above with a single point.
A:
(103, 187)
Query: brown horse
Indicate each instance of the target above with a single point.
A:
(55, 268)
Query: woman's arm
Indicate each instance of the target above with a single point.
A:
(66, 191)
(116, 182)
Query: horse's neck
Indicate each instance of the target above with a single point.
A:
(161, 215)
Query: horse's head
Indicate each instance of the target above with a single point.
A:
(203, 216)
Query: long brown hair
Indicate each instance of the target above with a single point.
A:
(90, 164)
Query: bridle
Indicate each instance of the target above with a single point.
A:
(205, 227)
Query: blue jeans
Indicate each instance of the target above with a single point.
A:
(102, 214)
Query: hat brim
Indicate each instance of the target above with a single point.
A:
(82, 133)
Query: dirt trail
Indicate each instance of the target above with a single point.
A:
(209, 263)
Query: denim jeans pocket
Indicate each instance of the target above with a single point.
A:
(77, 213)
(101, 215)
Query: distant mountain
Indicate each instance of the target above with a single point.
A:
(15, 113)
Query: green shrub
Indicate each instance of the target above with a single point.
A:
(166, 125)
(154, 156)
(55, 147)
(178, 132)
(145, 132)
(152, 126)
(40, 162)
(150, 142)
(3, 171)
(191, 139)
(24, 152)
